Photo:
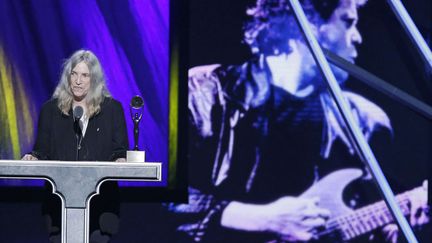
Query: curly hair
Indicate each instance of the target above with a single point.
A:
(98, 90)
(272, 23)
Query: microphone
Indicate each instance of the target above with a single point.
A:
(78, 112)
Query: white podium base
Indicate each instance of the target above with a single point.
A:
(135, 156)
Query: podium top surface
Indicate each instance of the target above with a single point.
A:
(75, 163)
(76, 181)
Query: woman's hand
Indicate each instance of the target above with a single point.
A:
(29, 157)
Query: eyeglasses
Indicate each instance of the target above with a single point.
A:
(84, 76)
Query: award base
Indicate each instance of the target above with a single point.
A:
(135, 156)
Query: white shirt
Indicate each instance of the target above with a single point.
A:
(83, 124)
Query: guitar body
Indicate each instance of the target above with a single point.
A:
(330, 190)
(346, 224)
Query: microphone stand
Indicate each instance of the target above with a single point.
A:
(78, 134)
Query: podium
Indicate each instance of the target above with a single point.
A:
(76, 183)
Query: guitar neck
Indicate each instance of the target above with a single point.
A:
(366, 219)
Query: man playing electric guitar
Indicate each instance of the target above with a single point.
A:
(263, 132)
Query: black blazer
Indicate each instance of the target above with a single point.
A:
(105, 138)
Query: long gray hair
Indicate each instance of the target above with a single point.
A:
(98, 90)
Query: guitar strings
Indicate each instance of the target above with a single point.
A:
(365, 212)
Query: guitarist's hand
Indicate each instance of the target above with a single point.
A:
(418, 205)
(296, 219)
(418, 212)
(391, 233)
(291, 218)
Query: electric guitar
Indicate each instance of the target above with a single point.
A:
(345, 222)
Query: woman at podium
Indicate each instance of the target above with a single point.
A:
(82, 122)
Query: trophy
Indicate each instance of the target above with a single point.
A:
(136, 111)
(136, 108)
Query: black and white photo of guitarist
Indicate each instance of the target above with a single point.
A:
(269, 156)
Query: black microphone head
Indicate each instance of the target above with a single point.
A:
(78, 112)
